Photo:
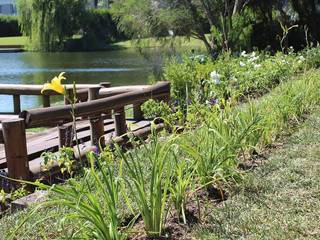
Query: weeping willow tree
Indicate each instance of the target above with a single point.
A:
(49, 23)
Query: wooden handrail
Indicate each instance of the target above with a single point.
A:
(24, 89)
(54, 115)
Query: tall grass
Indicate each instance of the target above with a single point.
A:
(150, 193)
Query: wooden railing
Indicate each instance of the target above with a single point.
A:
(16, 91)
(101, 102)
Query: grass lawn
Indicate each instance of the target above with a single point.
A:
(182, 42)
(278, 200)
(13, 41)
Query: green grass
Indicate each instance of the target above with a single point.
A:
(182, 42)
(13, 41)
(278, 200)
(152, 42)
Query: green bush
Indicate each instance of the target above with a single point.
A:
(9, 26)
(234, 77)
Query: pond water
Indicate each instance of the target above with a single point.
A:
(121, 67)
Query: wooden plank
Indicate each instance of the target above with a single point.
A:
(16, 104)
(39, 117)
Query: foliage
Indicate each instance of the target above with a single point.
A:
(64, 159)
(49, 23)
(228, 22)
(149, 195)
(164, 172)
(159, 109)
(9, 26)
(234, 77)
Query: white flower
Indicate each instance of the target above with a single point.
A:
(301, 59)
(253, 59)
(257, 66)
(171, 33)
(217, 82)
(244, 54)
(214, 75)
(242, 64)
(253, 54)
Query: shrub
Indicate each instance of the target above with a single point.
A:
(9, 26)
(234, 77)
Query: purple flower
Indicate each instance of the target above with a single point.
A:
(212, 101)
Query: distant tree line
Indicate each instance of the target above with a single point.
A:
(224, 24)
(221, 25)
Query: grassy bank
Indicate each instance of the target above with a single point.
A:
(209, 154)
(18, 41)
(278, 200)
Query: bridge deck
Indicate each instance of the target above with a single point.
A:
(47, 141)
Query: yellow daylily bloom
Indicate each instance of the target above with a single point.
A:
(55, 84)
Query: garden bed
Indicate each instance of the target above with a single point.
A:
(162, 189)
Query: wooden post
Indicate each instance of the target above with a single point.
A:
(16, 104)
(137, 112)
(65, 133)
(69, 93)
(120, 122)
(14, 134)
(97, 132)
(46, 101)
(96, 122)
(107, 85)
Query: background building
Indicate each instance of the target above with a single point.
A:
(7, 7)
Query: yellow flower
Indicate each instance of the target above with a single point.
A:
(55, 84)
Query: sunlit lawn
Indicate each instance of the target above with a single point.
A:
(13, 41)
(180, 41)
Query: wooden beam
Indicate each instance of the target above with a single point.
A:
(65, 135)
(96, 122)
(137, 112)
(16, 104)
(120, 122)
(1, 136)
(105, 84)
(46, 101)
(14, 134)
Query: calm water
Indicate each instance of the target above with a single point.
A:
(122, 67)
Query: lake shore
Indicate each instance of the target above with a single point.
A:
(182, 42)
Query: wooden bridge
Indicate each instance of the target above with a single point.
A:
(101, 119)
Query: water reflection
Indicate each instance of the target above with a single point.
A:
(123, 67)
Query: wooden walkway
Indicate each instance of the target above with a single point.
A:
(48, 141)
(101, 119)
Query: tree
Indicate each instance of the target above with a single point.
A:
(48, 23)
(309, 16)
(226, 20)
